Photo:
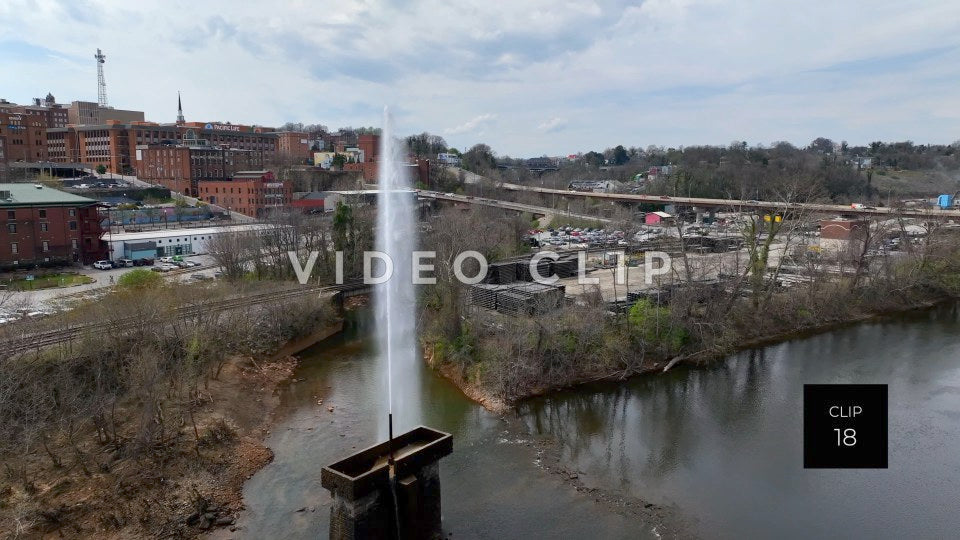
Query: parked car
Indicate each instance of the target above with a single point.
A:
(126, 262)
(103, 265)
(166, 259)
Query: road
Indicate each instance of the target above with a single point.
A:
(508, 205)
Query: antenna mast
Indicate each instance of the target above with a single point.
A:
(101, 83)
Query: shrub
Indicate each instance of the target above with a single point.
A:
(140, 279)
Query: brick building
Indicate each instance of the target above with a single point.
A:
(24, 132)
(293, 146)
(114, 145)
(182, 168)
(843, 236)
(370, 146)
(252, 193)
(45, 226)
(369, 155)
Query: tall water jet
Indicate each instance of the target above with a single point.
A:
(392, 490)
(395, 300)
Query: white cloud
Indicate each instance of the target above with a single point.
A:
(552, 125)
(635, 73)
(471, 125)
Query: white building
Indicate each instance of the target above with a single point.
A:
(168, 242)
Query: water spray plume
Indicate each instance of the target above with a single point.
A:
(394, 300)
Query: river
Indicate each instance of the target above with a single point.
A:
(722, 445)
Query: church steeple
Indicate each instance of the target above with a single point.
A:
(180, 119)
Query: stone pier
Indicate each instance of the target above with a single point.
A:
(371, 498)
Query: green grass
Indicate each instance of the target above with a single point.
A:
(560, 220)
(47, 281)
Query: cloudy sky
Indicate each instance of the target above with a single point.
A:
(528, 78)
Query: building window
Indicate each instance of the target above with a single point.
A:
(44, 226)
(73, 225)
(73, 243)
(14, 248)
(11, 227)
(11, 214)
(43, 213)
(46, 246)
(73, 212)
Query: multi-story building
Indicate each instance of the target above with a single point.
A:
(333, 140)
(108, 145)
(114, 144)
(45, 226)
(91, 113)
(252, 193)
(182, 167)
(293, 146)
(24, 130)
(370, 146)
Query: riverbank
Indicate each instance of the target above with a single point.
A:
(491, 369)
(187, 486)
(191, 482)
(151, 431)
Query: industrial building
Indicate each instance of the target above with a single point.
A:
(114, 144)
(251, 193)
(293, 146)
(182, 167)
(843, 235)
(169, 242)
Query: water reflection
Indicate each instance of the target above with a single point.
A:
(492, 487)
(725, 443)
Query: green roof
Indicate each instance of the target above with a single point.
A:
(18, 195)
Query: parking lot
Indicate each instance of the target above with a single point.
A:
(578, 238)
(47, 301)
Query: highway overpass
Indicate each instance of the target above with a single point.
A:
(738, 205)
(506, 205)
(731, 204)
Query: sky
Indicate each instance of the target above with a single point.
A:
(528, 78)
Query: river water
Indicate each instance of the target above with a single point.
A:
(722, 445)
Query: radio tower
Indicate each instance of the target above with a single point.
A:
(101, 83)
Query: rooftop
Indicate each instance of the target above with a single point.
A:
(146, 236)
(15, 195)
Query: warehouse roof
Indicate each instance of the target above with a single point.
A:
(20, 195)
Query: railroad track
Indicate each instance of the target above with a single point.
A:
(39, 340)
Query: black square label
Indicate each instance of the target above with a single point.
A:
(845, 426)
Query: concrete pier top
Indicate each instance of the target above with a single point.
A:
(367, 470)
